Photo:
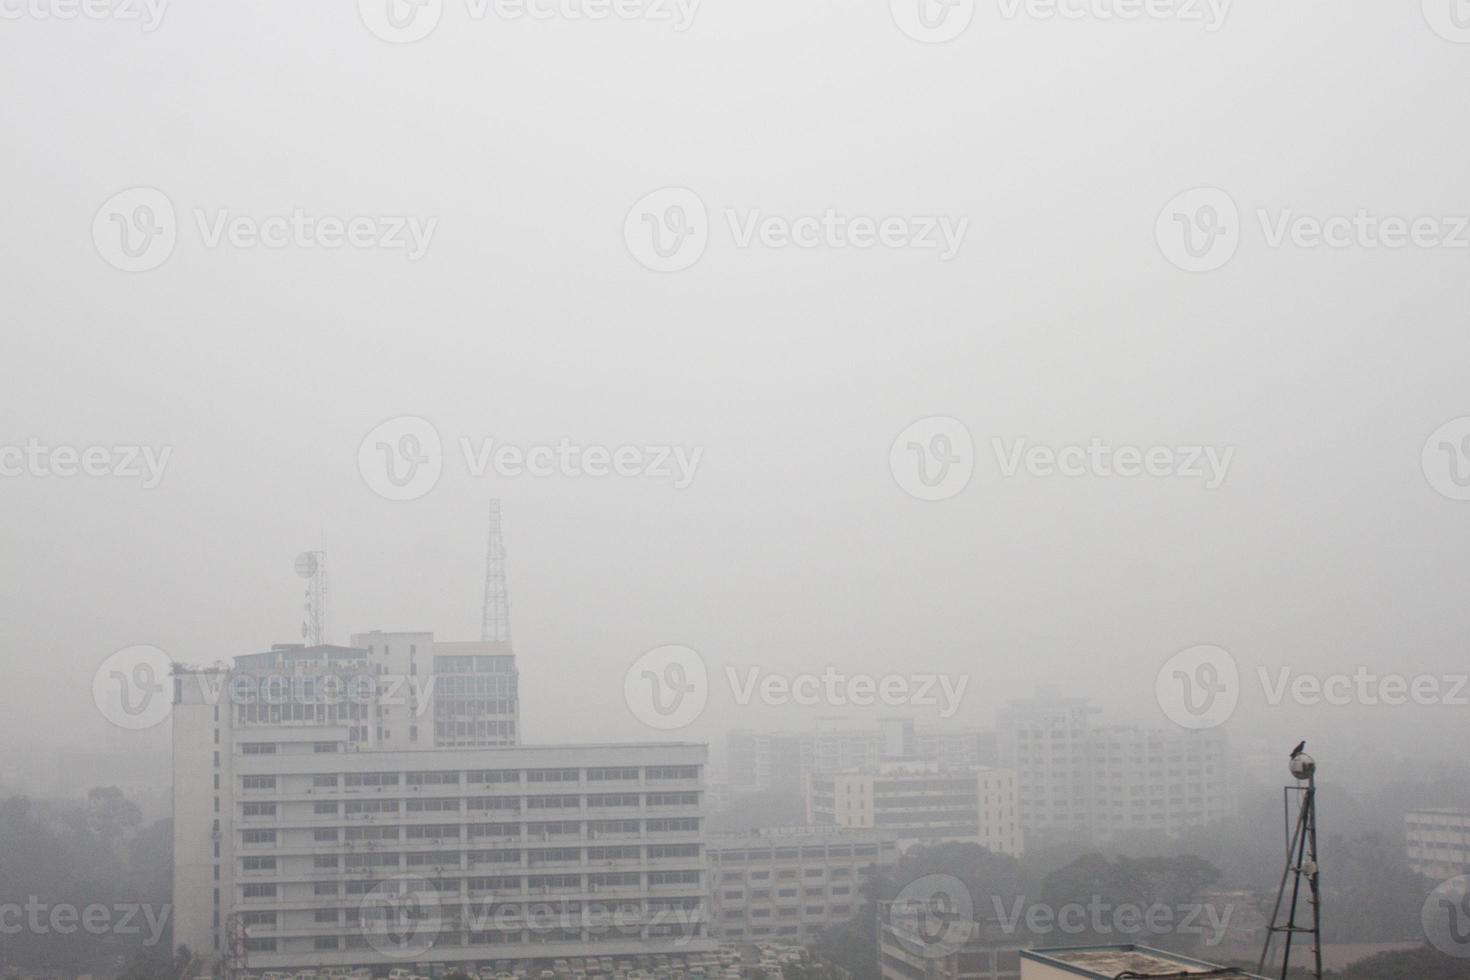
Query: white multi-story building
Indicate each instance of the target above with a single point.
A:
(1156, 779)
(922, 804)
(782, 884)
(391, 690)
(1045, 741)
(1084, 781)
(783, 760)
(1439, 842)
(317, 823)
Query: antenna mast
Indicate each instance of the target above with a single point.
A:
(495, 627)
(312, 566)
(1301, 864)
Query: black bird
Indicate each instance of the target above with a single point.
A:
(1300, 748)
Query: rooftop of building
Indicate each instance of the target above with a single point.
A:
(1130, 963)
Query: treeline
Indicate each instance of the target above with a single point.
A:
(84, 885)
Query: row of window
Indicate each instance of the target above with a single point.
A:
(378, 780)
(607, 801)
(262, 891)
(535, 855)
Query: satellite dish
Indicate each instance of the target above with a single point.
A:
(306, 564)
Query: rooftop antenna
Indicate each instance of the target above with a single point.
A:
(312, 566)
(495, 627)
(1301, 864)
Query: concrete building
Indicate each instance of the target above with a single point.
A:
(1156, 779)
(1081, 780)
(782, 760)
(325, 815)
(1438, 842)
(1045, 741)
(929, 945)
(783, 884)
(922, 804)
(1110, 962)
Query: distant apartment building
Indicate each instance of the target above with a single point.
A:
(784, 884)
(922, 804)
(330, 804)
(1044, 740)
(1085, 781)
(782, 760)
(1156, 779)
(1438, 842)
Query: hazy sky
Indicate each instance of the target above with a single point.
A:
(529, 319)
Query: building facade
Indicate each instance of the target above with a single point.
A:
(1081, 780)
(1166, 780)
(327, 829)
(922, 804)
(927, 945)
(1438, 842)
(783, 884)
(1044, 740)
(782, 761)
